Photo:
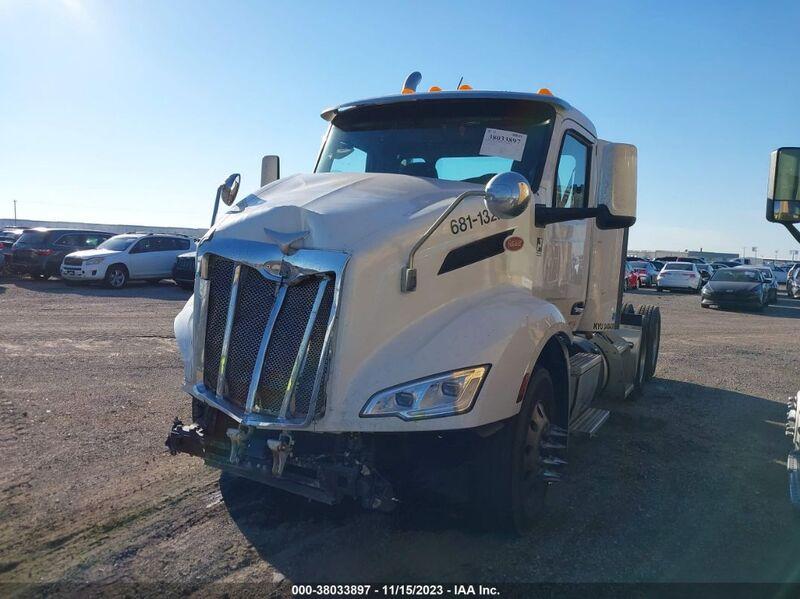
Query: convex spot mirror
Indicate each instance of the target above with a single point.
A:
(229, 189)
(783, 192)
(507, 195)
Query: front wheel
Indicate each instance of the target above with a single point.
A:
(517, 464)
(116, 276)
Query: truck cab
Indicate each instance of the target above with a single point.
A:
(447, 282)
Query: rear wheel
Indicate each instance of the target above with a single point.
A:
(651, 320)
(517, 464)
(116, 276)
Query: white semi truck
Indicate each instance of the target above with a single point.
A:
(438, 304)
(783, 207)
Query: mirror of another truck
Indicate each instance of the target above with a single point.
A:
(783, 193)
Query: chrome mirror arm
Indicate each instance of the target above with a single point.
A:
(408, 276)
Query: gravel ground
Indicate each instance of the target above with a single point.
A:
(686, 484)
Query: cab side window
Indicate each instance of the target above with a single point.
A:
(571, 188)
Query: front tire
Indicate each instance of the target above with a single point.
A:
(116, 276)
(511, 476)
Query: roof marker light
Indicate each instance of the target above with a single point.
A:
(435, 88)
(411, 83)
(464, 87)
(544, 92)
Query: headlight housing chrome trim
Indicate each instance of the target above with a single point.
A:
(448, 393)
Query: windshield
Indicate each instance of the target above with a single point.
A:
(736, 276)
(464, 140)
(117, 244)
(679, 266)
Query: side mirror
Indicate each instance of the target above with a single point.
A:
(227, 193)
(783, 192)
(270, 169)
(507, 195)
(229, 189)
(616, 188)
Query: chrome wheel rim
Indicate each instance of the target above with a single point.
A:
(117, 278)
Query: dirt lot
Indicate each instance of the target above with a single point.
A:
(688, 484)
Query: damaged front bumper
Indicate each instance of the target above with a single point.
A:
(325, 474)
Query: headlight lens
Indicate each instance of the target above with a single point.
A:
(92, 261)
(445, 394)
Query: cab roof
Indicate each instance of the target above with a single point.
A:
(561, 106)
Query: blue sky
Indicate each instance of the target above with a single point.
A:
(133, 112)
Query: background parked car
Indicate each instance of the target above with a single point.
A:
(793, 283)
(143, 256)
(7, 239)
(646, 271)
(780, 274)
(702, 266)
(631, 278)
(679, 275)
(736, 287)
(184, 269)
(769, 281)
(657, 264)
(39, 252)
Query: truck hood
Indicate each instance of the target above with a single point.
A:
(340, 211)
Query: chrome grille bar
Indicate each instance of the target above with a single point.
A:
(237, 273)
(300, 361)
(318, 378)
(262, 349)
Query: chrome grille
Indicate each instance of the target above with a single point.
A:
(72, 261)
(253, 305)
(286, 323)
(220, 279)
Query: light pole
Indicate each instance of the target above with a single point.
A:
(15, 213)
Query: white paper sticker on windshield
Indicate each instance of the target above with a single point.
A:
(505, 144)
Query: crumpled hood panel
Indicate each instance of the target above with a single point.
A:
(341, 211)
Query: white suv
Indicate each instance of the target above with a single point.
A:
(144, 256)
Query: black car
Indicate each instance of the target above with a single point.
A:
(39, 252)
(183, 271)
(736, 287)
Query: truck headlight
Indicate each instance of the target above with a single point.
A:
(92, 261)
(445, 394)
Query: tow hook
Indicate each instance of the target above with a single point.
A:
(238, 437)
(281, 449)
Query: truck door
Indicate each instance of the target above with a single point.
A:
(566, 255)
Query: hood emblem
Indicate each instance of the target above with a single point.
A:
(286, 241)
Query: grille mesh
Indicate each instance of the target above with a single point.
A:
(285, 344)
(71, 261)
(254, 303)
(220, 280)
(256, 299)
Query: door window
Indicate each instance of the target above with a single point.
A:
(144, 245)
(71, 240)
(571, 188)
(92, 241)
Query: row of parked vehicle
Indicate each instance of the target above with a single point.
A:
(82, 256)
(719, 283)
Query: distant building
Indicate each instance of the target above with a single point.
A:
(7, 223)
